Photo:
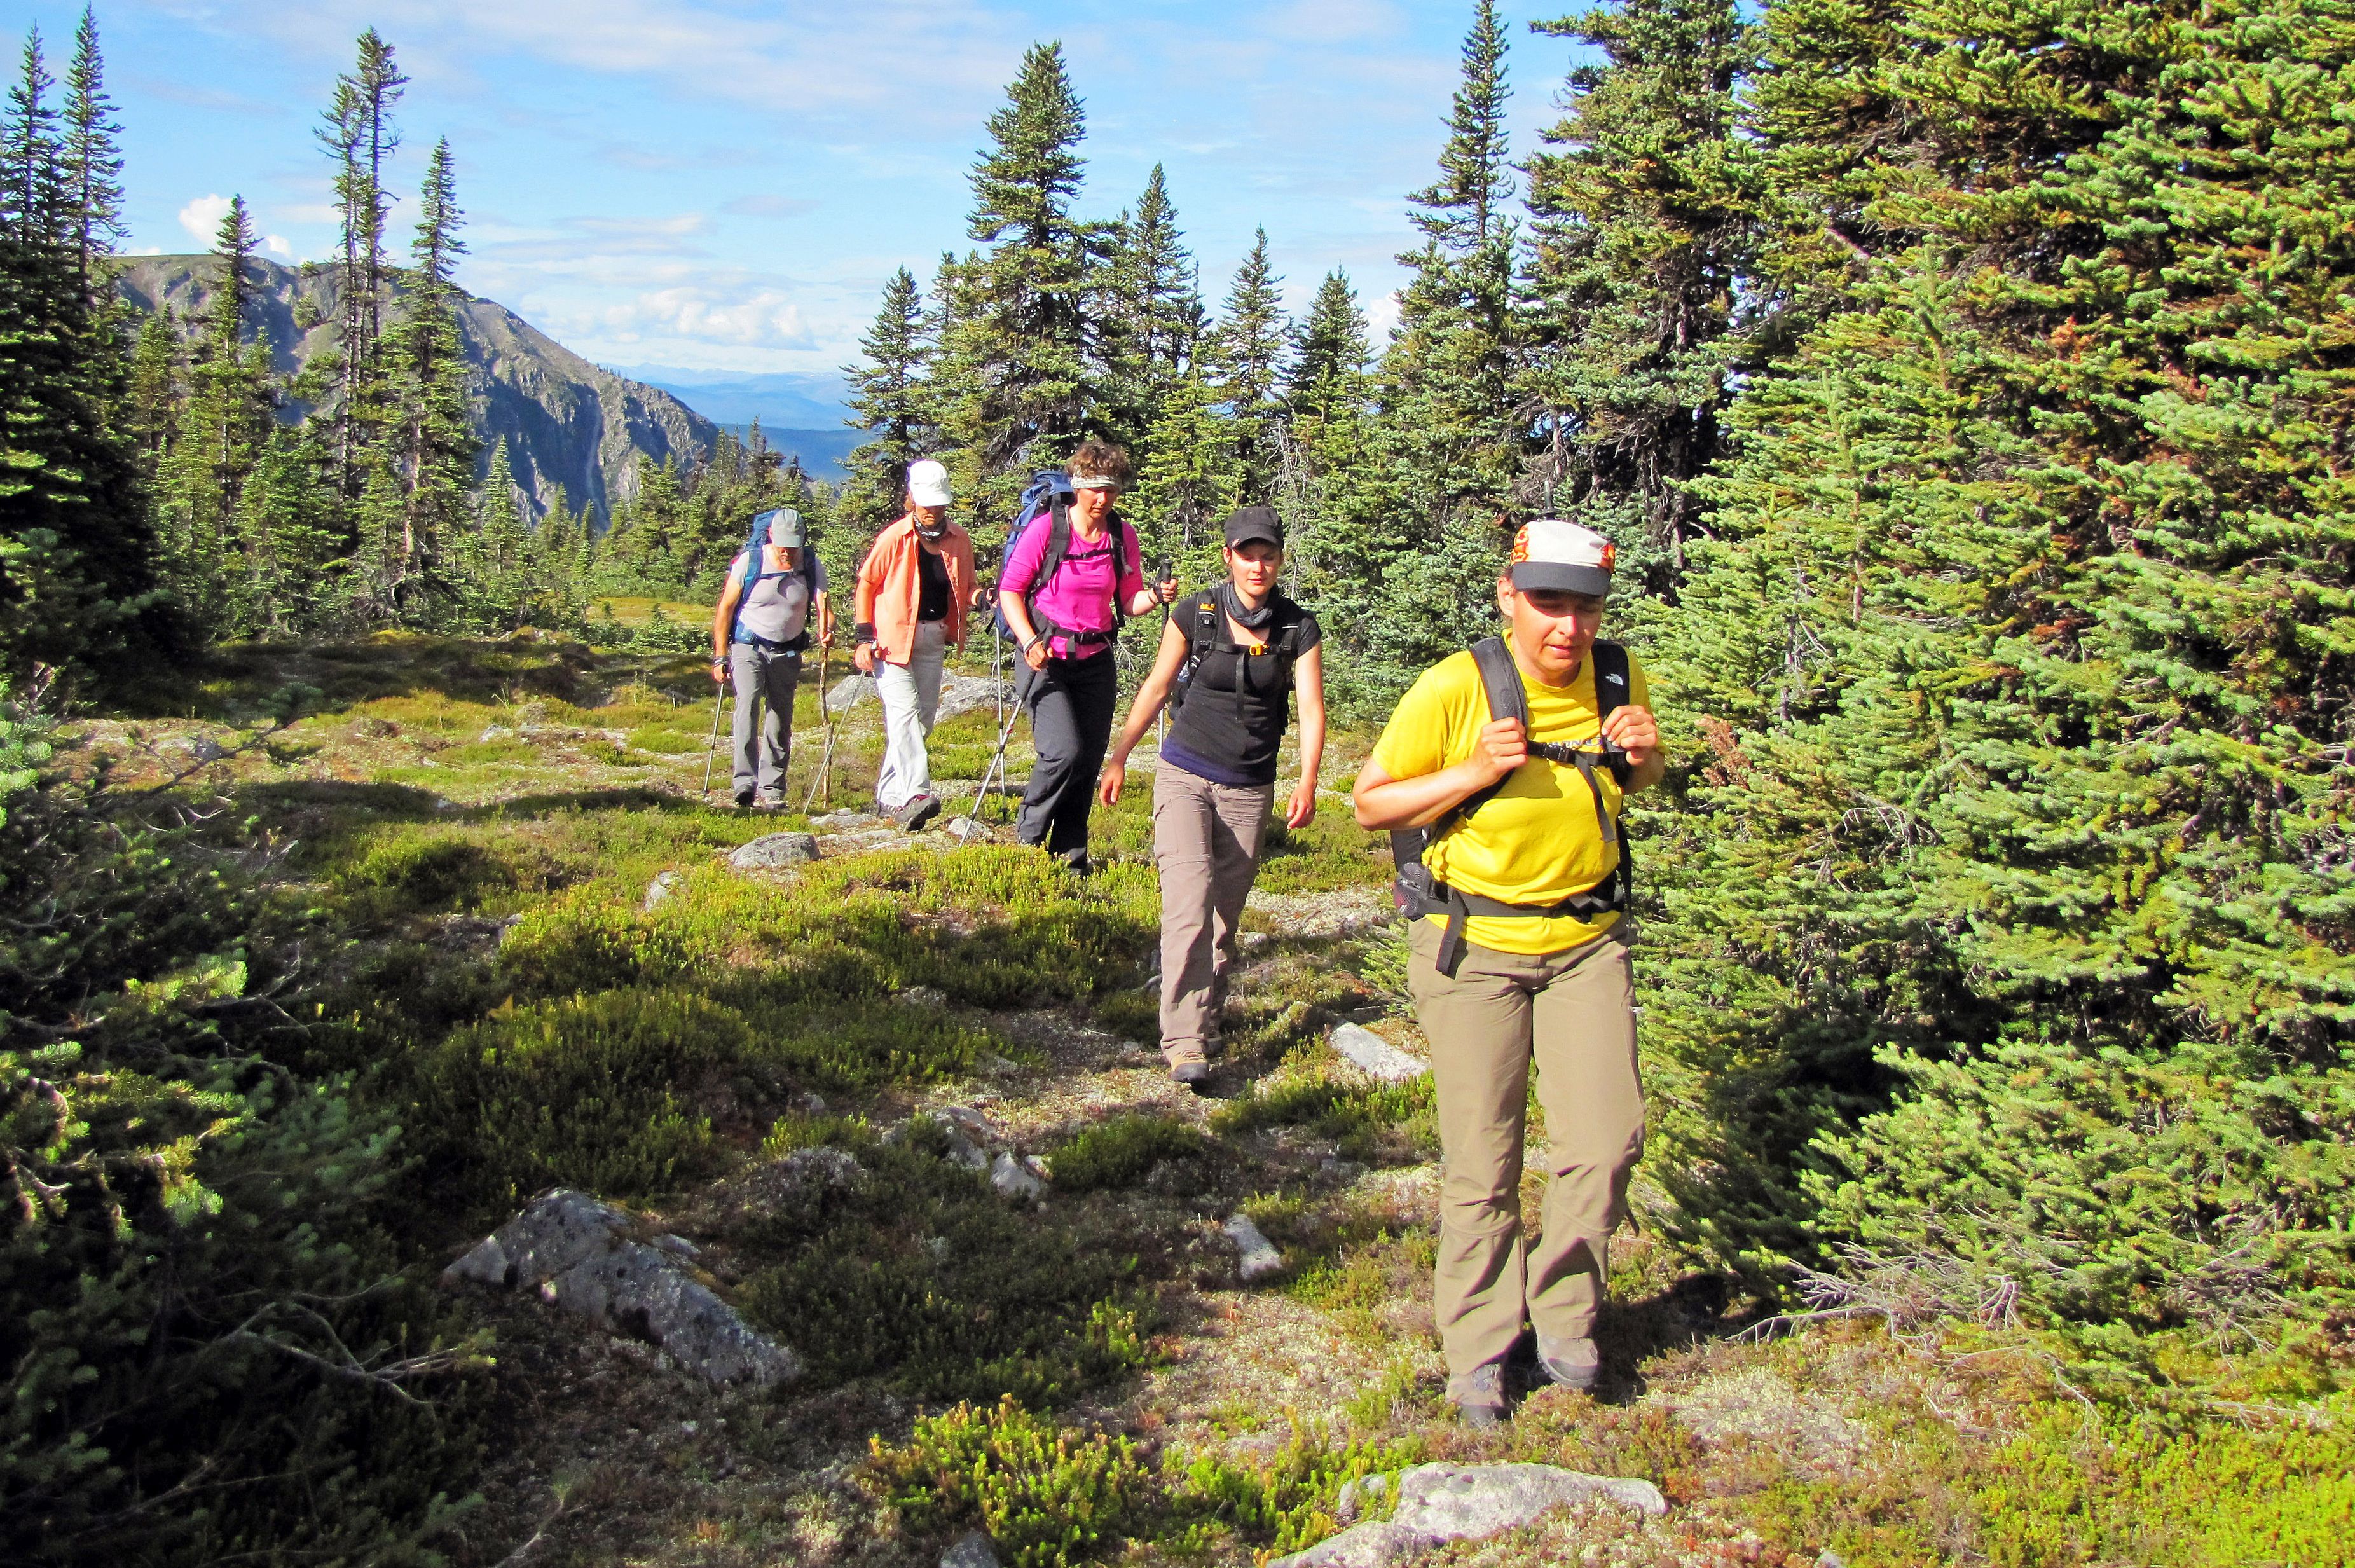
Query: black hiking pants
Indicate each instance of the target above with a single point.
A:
(1070, 703)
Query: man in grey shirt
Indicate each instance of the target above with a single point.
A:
(758, 629)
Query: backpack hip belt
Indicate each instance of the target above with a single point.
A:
(1606, 897)
(754, 639)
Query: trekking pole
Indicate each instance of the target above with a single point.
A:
(997, 770)
(825, 779)
(712, 751)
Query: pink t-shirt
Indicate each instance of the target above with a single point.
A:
(1080, 598)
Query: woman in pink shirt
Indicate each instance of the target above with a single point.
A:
(1066, 626)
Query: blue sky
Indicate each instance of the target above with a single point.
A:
(725, 184)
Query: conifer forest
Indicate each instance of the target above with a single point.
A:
(1968, 388)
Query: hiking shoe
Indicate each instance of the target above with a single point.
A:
(771, 803)
(1074, 862)
(744, 799)
(919, 810)
(1191, 1071)
(1478, 1397)
(1571, 1363)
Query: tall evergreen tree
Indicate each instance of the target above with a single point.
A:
(1247, 350)
(75, 556)
(1016, 374)
(1643, 283)
(1329, 352)
(437, 444)
(893, 403)
(359, 133)
(1150, 314)
(93, 158)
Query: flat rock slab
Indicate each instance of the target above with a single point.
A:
(848, 692)
(971, 1550)
(772, 850)
(1374, 1055)
(965, 693)
(581, 1256)
(1440, 1503)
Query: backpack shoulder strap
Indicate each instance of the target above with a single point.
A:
(1204, 620)
(1058, 541)
(1501, 678)
(1611, 689)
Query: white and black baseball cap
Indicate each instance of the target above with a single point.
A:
(1565, 557)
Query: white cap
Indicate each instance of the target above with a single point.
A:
(1566, 558)
(928, 483)
(785, 530)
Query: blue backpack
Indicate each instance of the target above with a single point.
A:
(1050, 497)
(753, 575)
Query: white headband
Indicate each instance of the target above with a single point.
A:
(1092, 483)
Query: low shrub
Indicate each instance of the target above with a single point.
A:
(1286, 1500)
(1121, 1151)
(586, 1093)
(924, 1278)
(426, 868)
(1049, 1497)
(1356, 1115)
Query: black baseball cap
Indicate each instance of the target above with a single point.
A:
(1245, 524)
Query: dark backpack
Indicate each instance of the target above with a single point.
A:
(1050, 497)
(1417, 893)
(753, 575)
(1202, 618)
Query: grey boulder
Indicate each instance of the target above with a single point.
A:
(1440, 1503)
(581, 1255)
(1257, 1255)
(772, 850)
(965, 693)
(847, 691)
(659, 890)
(1014, 1178)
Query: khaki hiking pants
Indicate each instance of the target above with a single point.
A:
(1206, 839)
(1572, 1013)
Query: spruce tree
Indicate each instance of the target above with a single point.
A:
(437, 443)
(893, 403)
(1150, 315)
(92, 159)
(1192, 477)
(1016, 371)
(359, 133)
(1247, 353)
(1329, 352)
(1648, 219)
(75, 560)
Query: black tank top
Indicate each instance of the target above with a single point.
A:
(1237, 704)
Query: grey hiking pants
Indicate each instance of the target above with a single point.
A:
(911, 695)
(1571, 1015)
(1206, 839)
(765, 679)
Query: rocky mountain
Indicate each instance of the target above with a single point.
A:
(567, 423)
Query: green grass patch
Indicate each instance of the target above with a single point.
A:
(1356, 1115)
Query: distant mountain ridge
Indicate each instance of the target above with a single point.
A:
(567, 423)
(780, 399)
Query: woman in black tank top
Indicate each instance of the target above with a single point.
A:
(1230, 660)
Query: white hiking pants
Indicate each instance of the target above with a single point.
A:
(911, 695)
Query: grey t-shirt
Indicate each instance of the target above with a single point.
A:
(776, 608)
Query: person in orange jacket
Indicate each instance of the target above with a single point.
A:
(916, 587)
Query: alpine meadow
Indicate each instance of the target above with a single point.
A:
(1965, 392)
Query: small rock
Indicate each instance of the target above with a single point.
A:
(495, 732)
(972, 1549)
(1440, 1503)
(1340, 1170)
(966, 1120)
(1376, 1055)
(659, 890)
(847, 691)
(1038, 1167)
(201, 747)
(811, 1105)
(966, 830)
(1828, 1558)
(1259, 1257)
(531, 713)
(774, 849)
(922, 996)
(963, 1152)
(1014, 1180)
(371, 728)
(989, 1061)
(844, 821)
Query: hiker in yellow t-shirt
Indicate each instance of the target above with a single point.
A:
(1517, 955)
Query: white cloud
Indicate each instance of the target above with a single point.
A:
(766, 319)
(1383, 319)
(202, 218)
(277, 246)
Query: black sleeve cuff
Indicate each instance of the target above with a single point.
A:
(864, 631)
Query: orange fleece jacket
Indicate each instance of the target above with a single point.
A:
(888, 583)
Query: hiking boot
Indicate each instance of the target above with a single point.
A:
(771, 803)
(1074, 862)
(1187, 1065)
(1478, 1397)
(1571, 1363)
(918, 811)
(744, 800)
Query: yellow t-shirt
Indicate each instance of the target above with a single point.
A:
(1535, 841)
